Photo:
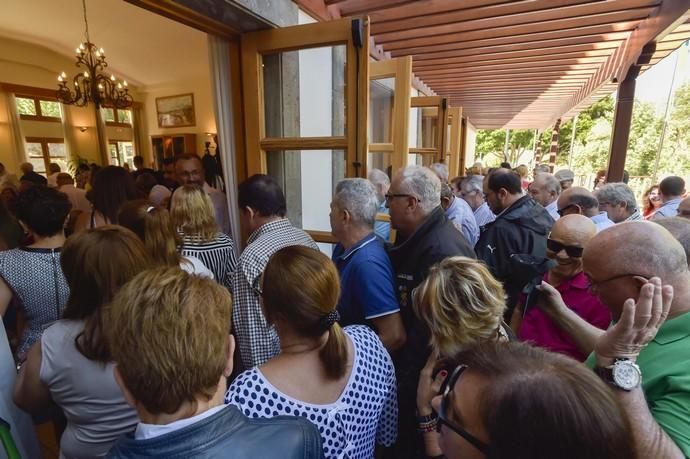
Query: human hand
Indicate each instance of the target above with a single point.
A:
(638, 324)
(550, 300)
(428, 386)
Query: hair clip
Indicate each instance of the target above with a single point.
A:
(149, 209)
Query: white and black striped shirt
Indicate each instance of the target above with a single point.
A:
(218, 255)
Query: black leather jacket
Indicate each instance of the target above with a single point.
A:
(229, 434)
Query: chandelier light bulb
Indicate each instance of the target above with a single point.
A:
(78, 51)
(119, 86)
(60, 78)
(101, 50)
(63, 75)
(86, 74)
(125, 83)
(81, 45)
(112, 77)
(100, 86)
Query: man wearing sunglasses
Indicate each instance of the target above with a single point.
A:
(530, 321)
(578, 200)
(640, 272)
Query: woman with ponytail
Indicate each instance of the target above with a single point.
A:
(341, 379)
(154, 227)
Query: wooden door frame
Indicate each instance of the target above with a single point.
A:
(442, 104)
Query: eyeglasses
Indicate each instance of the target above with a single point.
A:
(446, 387)
(390, 196)
(571, 250)
(594, 284)
(560, 212)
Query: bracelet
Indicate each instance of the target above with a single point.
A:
(426, 418)
(426, 423)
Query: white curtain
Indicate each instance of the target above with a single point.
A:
(68, 132)
(219, 57)
(101, 136)
(16, 135)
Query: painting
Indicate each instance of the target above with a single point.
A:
(175, 111)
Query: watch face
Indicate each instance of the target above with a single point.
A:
(626, 375)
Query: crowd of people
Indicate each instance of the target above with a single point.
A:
(497, 314)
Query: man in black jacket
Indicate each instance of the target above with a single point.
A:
(424, 237)
(521, 227)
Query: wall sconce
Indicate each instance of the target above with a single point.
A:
(83, 129)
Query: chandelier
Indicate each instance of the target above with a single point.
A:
(92, 85)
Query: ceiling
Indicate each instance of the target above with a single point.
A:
(520, 63)
(144, 48)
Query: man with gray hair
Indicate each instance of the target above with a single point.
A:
(545, 189)
(460, 213)
(382, 183)
(618, 201)
(367, 295)
(425, 237)
(441, 171)
(472, 191)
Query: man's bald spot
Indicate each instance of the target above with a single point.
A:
(636, 247)
(574, 227)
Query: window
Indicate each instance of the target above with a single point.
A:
(121, 152)
(35, 108)
(117, 116)
(41, 151)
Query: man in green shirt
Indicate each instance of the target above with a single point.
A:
(640, 272)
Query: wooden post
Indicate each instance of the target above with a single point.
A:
(537, 147)
(554, 145)
(622, 116)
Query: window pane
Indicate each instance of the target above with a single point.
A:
(423, 127)
(304, 92)
(114, 157)
(124, 116)
(308, 179)
(25, 106)
(108, 115)
(57, 150)
(50, 108)
(380, 161)
(381, 93)
(34, 149)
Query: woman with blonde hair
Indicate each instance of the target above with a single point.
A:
(154, 227)
(195, 221)
(350, 393)
(72, 365)
(462, 305)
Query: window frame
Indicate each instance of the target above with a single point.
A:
(116, 117)
(44, 141)
(39, 116)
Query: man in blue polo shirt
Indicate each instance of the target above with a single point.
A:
(367, 292)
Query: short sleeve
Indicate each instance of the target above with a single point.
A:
(376, 290)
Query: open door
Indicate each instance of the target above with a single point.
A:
(428, 121)
(454, 153)
(305, 99)
(388, 123)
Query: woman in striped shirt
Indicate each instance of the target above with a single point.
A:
(193, 216)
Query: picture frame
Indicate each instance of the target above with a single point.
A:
(175, 111)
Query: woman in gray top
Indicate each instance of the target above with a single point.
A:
(31, 276)
(72, 365)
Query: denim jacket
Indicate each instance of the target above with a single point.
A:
(229, 434)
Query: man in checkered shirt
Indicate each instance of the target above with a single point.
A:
(262, 217)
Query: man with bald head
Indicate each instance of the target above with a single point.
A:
(684, 208)
(679, 227)
(648, 294)
(565, 282)
(545, 189)
(578, 200)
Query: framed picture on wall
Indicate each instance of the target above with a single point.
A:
(175, 111)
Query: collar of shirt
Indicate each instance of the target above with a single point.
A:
(148, 431)
(269, 227)
(671, 203)
(635, 216)
(601, 217)
(674, 329)
(578, 281)
(368, 239)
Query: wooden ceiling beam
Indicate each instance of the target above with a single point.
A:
(521, 29)
(603, 30)
(638, 8)
(528, 51)
(531, 56)
(358, 7)
(583, 43)
(537, 78)
(427, 7)
(578, 69)
(464, 14)
(471, 67)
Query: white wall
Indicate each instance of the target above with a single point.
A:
(470, 143)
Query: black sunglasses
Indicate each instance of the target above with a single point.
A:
(560, 212)
(571, 250)
(446, 387)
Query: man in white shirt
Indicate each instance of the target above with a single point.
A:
(190, 170)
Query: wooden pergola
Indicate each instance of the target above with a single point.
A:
(515, 64)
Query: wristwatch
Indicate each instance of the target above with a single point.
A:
(623, 374)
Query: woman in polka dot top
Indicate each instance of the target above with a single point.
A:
(342, 380)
